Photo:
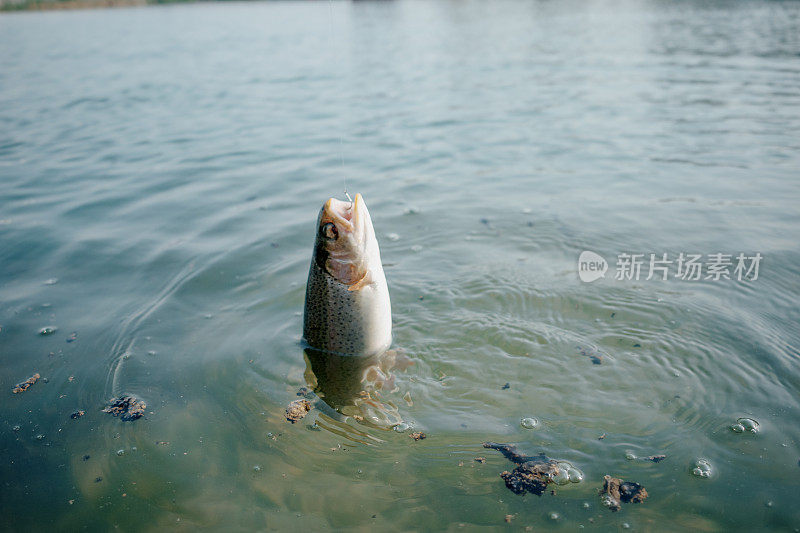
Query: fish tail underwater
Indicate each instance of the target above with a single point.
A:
(571, 303)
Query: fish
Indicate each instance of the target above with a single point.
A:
(347, 306)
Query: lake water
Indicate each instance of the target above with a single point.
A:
(161, 172)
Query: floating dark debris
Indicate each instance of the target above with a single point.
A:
(593, 354)
(615, 492)
(77, 414)
(417, 435)
(72, 336)
(655, 458)
(506, 386)
(25, 385)
(126, 408)
(297, 410)
(86, 457)
(532, 475)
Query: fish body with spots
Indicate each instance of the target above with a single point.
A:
(347, 308)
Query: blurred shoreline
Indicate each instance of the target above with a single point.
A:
(53, 5)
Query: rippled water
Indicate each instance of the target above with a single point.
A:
(161, 171)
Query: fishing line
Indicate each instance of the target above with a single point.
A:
(341, 142)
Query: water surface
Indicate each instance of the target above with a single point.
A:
(161, 171)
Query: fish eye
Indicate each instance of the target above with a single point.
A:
(329, 231)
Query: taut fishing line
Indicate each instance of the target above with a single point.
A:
(336, 61)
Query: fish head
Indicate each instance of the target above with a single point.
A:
(346, 247)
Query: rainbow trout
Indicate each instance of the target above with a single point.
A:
(347, 301)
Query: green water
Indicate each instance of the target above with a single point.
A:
(161, 172)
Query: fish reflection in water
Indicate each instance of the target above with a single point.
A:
(357, 387)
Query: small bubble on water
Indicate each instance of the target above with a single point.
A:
(393, 236)
(749, 424)
(737, 428)
(401, 427)
(608, 501)
(51, 281)
(554, 516)
(630, 456)
(575, 475)
(257, 468)
(626, 525)
(586, 505)
(529, 423)
(416, 248)
(120, 452)
(48, 330)
(702, 468)
(769, 504)
(39, 437)
(16, 428)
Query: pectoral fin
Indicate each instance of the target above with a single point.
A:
(363, 282)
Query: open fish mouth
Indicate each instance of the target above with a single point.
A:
(344, 214)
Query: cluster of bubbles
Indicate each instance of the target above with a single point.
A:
(529, 423)
(608, 501)
(745, 424)
(121, 451)
(567, 473)
(702, 468)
